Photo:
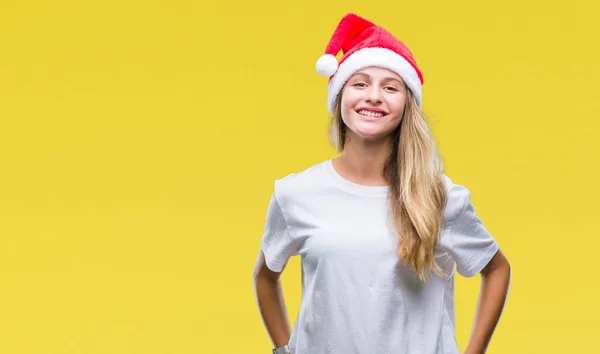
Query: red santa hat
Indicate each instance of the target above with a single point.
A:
(365, 44)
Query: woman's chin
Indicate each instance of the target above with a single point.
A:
(369, 132)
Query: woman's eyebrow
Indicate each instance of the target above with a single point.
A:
(389, 78)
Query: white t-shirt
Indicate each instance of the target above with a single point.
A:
(357, 298)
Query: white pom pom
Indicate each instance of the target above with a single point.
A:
(327, 65)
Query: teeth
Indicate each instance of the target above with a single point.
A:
(370, 114)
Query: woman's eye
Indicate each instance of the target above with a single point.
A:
(361, 84)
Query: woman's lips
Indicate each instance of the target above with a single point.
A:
(370, 118)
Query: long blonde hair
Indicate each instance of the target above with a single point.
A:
(417, 193)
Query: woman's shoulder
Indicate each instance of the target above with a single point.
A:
(300, 181)
(457, 196)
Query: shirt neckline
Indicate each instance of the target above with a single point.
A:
(354, 188)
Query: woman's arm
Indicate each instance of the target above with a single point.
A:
(271, 303)
(492, 297)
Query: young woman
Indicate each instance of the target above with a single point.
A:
(379, 228)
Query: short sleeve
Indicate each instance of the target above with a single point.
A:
(465, 237)
(276, 242)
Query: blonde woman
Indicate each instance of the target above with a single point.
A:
(380, 229)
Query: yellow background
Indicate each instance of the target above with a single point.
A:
(139, 142)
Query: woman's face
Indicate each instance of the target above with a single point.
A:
(373, 102)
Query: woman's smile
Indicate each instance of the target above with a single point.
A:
(370, 116)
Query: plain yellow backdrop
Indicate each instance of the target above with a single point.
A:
(139, 142)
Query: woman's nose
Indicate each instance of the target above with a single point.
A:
(373, 94)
